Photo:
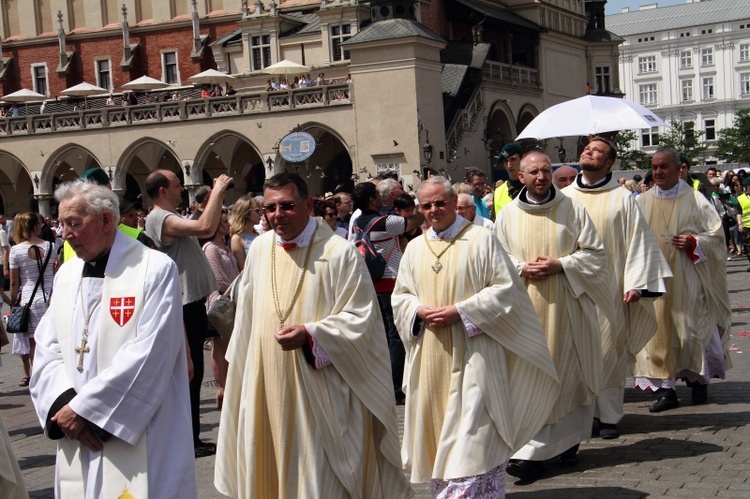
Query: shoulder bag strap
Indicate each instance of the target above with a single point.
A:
(369, 228)
(41, 268)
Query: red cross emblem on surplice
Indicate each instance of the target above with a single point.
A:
(122, 309)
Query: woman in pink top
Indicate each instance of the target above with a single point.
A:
(224, 266)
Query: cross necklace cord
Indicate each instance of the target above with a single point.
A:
(437, 266)
(283, 316)
(666, 235)
(84, 349)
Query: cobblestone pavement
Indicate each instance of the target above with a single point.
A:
(692, 451)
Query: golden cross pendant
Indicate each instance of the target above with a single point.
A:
(83, 349)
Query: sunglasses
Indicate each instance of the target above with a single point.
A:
(285, 206)
(437, 204)
(330, 215)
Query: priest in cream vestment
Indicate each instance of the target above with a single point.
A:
(636, 268)
(694, 316)
(554, 246)
(12, 485)
(479, 377)
(110, 379)
(308, 405)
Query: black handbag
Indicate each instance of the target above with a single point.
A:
(18, 320)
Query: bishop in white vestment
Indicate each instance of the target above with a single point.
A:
(479, 381)
(110, 373)
(308, 404)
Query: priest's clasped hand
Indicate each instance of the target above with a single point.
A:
(439, 316)
(292, 337)
(632, 296)
(683, 242)
(76, 428)
(541, 268)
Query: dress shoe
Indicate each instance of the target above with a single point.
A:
(608, 431)
(526, 471)
(204, 449)
(700, 393)
(666, 399)
(570, 456)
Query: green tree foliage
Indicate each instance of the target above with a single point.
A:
(684, 138)
(630, 158)
(733, 145)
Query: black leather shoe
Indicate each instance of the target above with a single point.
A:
(526, 471)
(700, 393)
(204, 449)
(667, 399)
(608, 431)
(570, 456)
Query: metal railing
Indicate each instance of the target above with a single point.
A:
(508, 73)
(178, 111)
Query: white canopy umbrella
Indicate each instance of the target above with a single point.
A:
(24, 95)
(285, 67)
(84, 90)
(211, 77)
(590, 114)
(145, 83)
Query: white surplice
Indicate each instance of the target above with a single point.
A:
(143, 392)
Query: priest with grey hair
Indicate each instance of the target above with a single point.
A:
(479, 378)
(110, 372)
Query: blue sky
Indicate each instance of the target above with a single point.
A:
(615, 6)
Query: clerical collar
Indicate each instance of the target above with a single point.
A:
(671, 192)
(581, 182)
(304, 237)
(525, 197)
(448, 233)
(97, 267)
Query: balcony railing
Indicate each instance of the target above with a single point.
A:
(507, 73)
(178, 111)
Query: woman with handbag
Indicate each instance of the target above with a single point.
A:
(224, 266)
(31, 272)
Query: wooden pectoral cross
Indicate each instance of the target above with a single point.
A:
(83, 349)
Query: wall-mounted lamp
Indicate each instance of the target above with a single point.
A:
(187, 169)
(269, 162)
(36, 180)
(427, 148)
(109, 173)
